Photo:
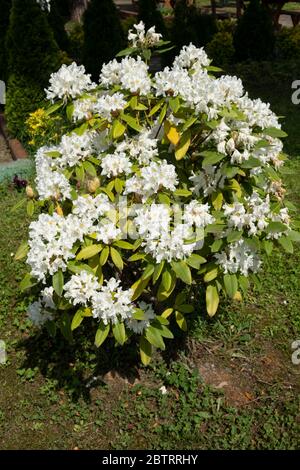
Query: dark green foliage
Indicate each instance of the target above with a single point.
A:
(32, 56)
(32, 50)
(254, 38)
(220, 49)
(190, 26)
(76, 40)
(103, 35)
(151, 16)
(57, 23)
(288, 43)
(5, 6)
(23, 97)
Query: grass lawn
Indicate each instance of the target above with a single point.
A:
(230, 383)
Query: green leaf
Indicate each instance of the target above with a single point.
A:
(138, 314)
(166, 313)
(212, 300)
(154, 337)
(211, 158)
(58, 282)
(148, 271)
(274, 132)
(119, 332)
(294, 236)
(127, 51)
(54, 108)
(89, 251)
(231, 284)
(118, 129)
(183, 145)
(116, 258)
(234, 236)
(174, 104)
(180, 320)
(268, 246)
(212, 274)
(182, 192)
(77, 319)
(166, 280)
(79, 170)
(21, 251)
(185, 308)
(182, 271)
(30, 208)
(286, 243)
(145, 351)
(276, 227)
(101, 334)
(157, 271)
(89, 168)
(69, 111)
(78, 268)
(162, 114)
(155, 109)
(195, 261)
(138, 288)
(131, 122)
(164, 330)
(124, 244)
(104, 255)
(27, 282)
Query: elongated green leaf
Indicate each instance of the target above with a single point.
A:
(145, 351)
(119, 332)
(195, 261)
(183, 145)
(116, 258)
(30, 208)
(182, 271)
(181, 321)
(101, 334)
(212, 300)
(22, 251)
(231, 284)
(124, 244)
(131, 122)
(211, 274)
(157, 271)
(89, 251)
(148, 271)
(27, 282)
(211, 157)
(77, 319)
(286, 244)
(58, 282)
(274, 132)
(104, 255)
(118, 129)
(154, 337)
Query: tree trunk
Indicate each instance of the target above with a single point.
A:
(78, 8)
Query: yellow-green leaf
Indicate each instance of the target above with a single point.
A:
(212, 300)
(171, 133)
(181, 321)
(116, 258)
(145, 351)
(183, 145)
(89, 251)
(101, 334)
(22, 251)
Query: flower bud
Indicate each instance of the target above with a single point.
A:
(93, 185)
(29, 192)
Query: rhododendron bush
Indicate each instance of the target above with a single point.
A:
(166, 186)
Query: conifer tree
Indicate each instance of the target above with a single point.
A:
(103, 35)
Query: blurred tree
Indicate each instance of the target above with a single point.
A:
(5, 6)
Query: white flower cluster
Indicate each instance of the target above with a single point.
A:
(153, 177)
(164, 242)
(69, 81)
(131, 74)
(42, 310)
(141, 38)
(255, 215)
(238, 258)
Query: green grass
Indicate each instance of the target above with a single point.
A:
(230, 383)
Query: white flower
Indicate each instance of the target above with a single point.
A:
(163, 390)
(190, 56)
(153, 177)
(138, 326)
(41, 311)
(198, 214)
(115, 164)
(81, 288)
(239, 258)
(45, 4)
(130, 73)
(69, 81)
(142, 39)
(112, 303)
(109, 104)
